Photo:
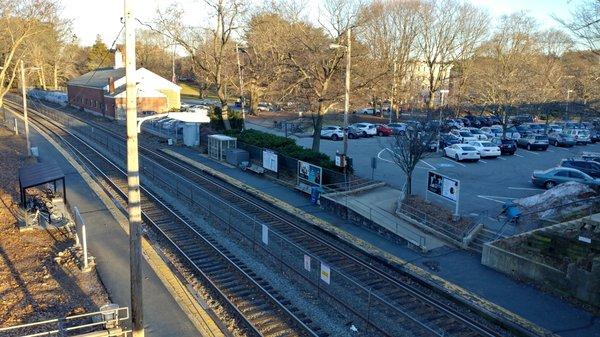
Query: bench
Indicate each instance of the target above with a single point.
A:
(247, 166)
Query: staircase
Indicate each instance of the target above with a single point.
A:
(484, 235)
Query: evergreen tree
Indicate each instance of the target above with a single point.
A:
(97, 55)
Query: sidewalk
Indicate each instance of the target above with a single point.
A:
(110, 245)
(460, 267)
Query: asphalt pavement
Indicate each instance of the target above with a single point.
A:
(485, 185)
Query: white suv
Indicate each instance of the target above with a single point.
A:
(332, 132)
(365, 129)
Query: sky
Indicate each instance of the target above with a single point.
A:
(92, 17)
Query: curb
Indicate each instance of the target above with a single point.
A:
(455, 290)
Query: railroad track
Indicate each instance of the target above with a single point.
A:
(262, 309)
(405, 301)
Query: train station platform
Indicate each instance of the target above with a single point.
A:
(456, 270)
(167, 304)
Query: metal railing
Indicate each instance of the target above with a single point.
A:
(375, 215)
(436, 224)
(103, 320)
(279, 251)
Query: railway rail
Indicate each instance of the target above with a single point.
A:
(408, 301)
(261, 309)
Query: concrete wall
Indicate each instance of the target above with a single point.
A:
(581, 284)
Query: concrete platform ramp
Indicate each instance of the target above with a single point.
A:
(375, 208)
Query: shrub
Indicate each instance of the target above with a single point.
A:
(282, 145)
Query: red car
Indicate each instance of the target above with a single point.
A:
(384, 130)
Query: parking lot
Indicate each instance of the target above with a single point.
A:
(485, 185)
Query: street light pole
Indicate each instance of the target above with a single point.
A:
(393, 90)
(237, 52)
(567, 104)
(133, 177)
(24, 93)
(347, 93)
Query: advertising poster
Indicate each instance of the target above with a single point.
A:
(325, 273)
(270, 160)
(310, 173)
(443, 186)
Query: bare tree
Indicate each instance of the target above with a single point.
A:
(389, 32)
(210, 47)
(505, 70)
(451, 31)
(407, 150)
(585, 24)
(20, 20)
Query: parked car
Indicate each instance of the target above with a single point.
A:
(512, 133)
(534, 127)
(533, 142)
(488, 132)
(464, 135)
(453, 124)
(369, 111)
(353, 132)
(554, 128)
(581, 136)
(560, 139)
(478, 133)
(264, 106)
(486, 149)
(507, 146)
(594, 136)
(397, 127)
(520, 119)
(415, 125)
(466, 122)
(366, 129)
(448, 139)
(384, 130)
(460, 152)
(332, 132)
(588, 167)
(558, 175)
(523, 130)
(474, 121)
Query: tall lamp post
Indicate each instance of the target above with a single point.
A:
(348, 48)
(237, 52)
(24, 93)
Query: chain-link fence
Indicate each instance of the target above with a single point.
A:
(342, 289)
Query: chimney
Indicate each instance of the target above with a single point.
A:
(111, 85)
(118, 59)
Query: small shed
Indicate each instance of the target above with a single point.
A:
(40, 174)
(218, 144)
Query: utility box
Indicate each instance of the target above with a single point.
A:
(218, 144)
(236, 156)
(191, 134)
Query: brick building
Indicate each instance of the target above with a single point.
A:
(103, 91)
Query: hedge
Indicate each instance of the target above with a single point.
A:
(283, 146)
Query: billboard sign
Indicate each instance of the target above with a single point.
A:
(310, 173)
(270, 160)
(443, 186)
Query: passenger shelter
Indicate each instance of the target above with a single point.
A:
(40, 174)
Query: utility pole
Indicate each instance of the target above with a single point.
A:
(24, 93)
(133, 176)
(237, 53)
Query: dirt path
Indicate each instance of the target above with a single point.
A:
(32, 285)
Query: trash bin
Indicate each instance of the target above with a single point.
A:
(314, 195)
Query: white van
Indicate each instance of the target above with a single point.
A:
(581, 136)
